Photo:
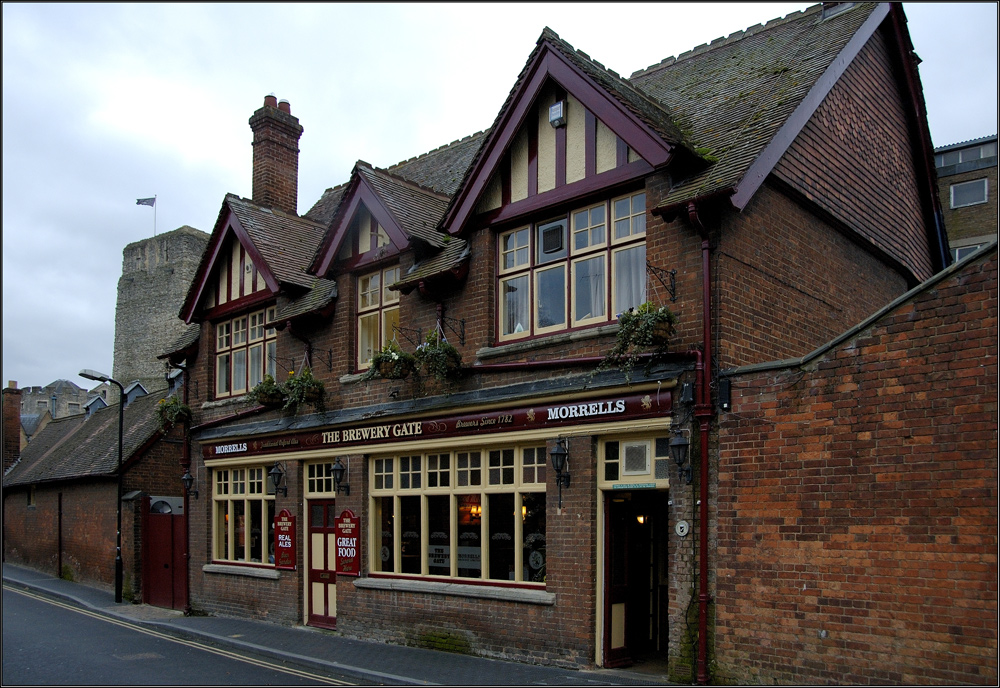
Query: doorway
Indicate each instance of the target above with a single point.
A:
(635, 589)
(322, 563)
(164, 565)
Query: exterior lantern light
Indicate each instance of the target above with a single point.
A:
(188, 480)
(558, 457)
(276, 474)
(679, 452)
(338, 476)
(100, 377)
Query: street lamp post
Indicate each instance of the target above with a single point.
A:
(100, 377)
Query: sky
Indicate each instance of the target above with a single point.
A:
(104, 104)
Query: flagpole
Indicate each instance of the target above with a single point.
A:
(154, 214)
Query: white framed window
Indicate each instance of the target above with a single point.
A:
(245, 351)
(470, 514)
(243, 515)
(378, 312)
(569, 272)
(969, 193)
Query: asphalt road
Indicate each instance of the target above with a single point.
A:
(50, 642)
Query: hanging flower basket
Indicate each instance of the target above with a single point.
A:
(391, 363)
(646, 329)
(267, 393)
(302, 389)
(171, 411)
(437, 358)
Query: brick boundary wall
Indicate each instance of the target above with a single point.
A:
(858, 500)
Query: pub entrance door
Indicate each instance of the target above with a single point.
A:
(322, 590)
(635, 549)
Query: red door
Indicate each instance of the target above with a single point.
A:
(322, 564)
(616, 582)
(164, 573)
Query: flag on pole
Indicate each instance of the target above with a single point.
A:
(146, 201)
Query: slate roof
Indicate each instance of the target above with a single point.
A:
(418, 210)
(80, 447)
(187, 340)
(321, 295)
(286, 242)
(732, 96)
(29, 422)
(441, 169)
(453, 254)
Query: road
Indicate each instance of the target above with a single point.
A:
(51, 642)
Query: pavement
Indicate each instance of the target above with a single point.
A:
(320, 650)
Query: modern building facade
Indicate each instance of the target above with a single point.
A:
(967, 180)
(772, 189)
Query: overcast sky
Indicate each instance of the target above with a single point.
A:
(104, 104)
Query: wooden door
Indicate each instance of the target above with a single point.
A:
(164, 569)
(322, 565)
(616, 581)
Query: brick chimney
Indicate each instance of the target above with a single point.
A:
(11, 425)
(276, 136)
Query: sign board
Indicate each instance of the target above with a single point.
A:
(347, 531)
(284, 540)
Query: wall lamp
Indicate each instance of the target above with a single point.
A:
(276, 474)
(679, 452)
(338, 476)
(558, 457)
(188, 480)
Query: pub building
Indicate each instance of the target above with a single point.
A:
(526, 501)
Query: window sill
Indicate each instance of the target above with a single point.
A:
(522, 595)
(228, 401)
(248, 571)
(544, 341)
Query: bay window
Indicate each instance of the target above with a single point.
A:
(571, 271)
(475, 514)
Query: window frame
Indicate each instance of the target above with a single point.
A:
(379, 304)
(233, 338)
(533, 266)
(983, 181)
(520, 473)
(247, 485)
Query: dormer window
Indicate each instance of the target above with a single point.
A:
(570, 271)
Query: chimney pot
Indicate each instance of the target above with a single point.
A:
(271, 100)
(284, 106)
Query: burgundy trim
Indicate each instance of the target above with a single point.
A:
(570, 192)
(550, 64)
(243, 303)
(243, 271)
(533, 154)
(590, 144)
(231, 224)
(768, 158)
(360, 193)
(621, 152)
(504, 173)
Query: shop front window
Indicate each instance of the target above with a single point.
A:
(243, 514)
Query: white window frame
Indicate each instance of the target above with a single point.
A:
(377, 304)
(523, 258)
(984, 182)
(239, 336)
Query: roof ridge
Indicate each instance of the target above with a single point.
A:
(436, 150)
(726, 40)
(409, 182)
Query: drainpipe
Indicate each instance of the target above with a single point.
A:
(703, 412)
(186, 465)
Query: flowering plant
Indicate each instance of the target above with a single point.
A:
(267, 393)
(437, 357)
(391, 363)
(303, 388)
(648, 327)
(171, 411)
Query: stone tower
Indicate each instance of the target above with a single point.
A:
(156, 274)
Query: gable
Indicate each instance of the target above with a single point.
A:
(235, 276)
(526, 163)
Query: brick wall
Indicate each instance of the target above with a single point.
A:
(858, 502)
(276, 136)
(11, 425)
(974, 220)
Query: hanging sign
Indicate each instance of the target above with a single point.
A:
(347, 530)
(284, 540)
